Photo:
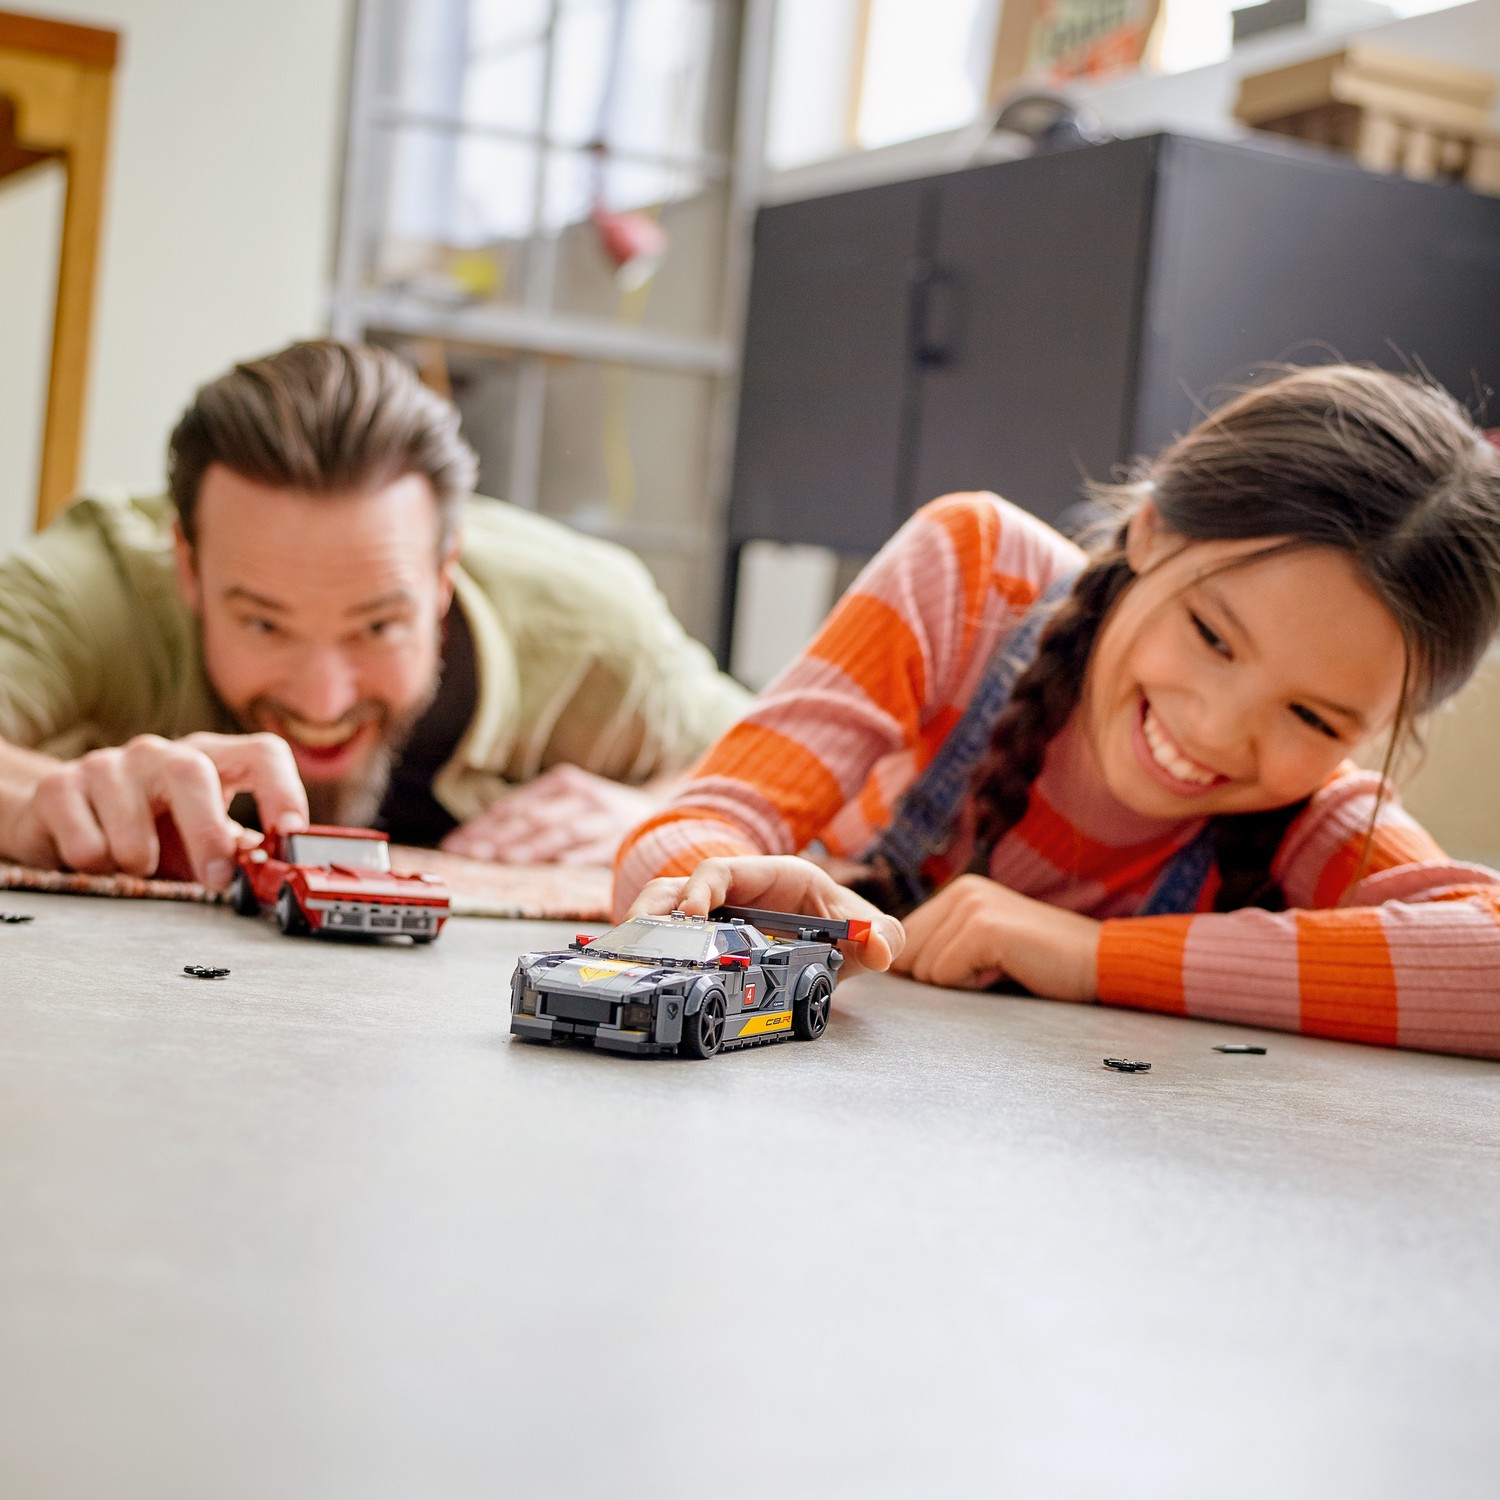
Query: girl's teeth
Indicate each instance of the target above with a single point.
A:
(1166, 756)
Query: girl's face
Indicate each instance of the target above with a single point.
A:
(1219, 689)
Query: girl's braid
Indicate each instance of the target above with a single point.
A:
(1041, 701)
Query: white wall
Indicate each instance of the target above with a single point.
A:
(30, 221)
(219, 224)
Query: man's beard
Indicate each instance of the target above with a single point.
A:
(353, 801)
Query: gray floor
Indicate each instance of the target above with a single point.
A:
(322, 1230)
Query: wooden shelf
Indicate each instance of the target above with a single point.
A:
(55, 85)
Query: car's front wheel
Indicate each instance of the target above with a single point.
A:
(242, 895)
(703, 1032)
(810, 1013)
(289, 916)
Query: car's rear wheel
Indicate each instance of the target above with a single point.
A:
(242, 895)
(810, 1013)
(703, 1032)
(289, 916)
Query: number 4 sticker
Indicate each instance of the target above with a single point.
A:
(749, 994)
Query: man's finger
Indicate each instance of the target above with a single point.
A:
(550, 845)
(123, 812)
(64, 810)
(263, 765)
(184, 783)
(31, 842)
(596, 852)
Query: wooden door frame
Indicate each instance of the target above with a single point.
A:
(57, 79)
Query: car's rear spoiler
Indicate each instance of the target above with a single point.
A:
(825, 929)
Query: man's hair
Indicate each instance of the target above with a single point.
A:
(325, 418)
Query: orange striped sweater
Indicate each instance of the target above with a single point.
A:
(1403, 951)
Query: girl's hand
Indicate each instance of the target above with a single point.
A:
(775, 882)
(975, 932)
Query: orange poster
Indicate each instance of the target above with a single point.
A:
(1058, 39)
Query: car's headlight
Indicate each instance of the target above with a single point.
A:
(526, 1006)
(636, 1015)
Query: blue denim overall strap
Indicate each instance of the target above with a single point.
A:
(1180, 883)
(928, 812)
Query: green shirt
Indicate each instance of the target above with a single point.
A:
(578, 658)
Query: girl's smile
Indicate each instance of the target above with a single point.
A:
(1165, 759)
(1229, 682)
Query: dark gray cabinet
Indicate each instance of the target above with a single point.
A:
(1020, 326)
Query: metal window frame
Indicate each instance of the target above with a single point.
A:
(532, 332)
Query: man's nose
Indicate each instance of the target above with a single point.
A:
(325, 687)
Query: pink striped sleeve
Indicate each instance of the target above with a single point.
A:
(893, 654)
(1395, 945)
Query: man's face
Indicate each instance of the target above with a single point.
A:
(322, 622)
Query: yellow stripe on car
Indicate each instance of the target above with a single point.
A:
(777, 1020)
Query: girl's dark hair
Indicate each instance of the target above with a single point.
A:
(1384, 468)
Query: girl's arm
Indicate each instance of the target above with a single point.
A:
(1405, 952)
(883, 675)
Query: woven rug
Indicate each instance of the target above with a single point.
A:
(534, 892)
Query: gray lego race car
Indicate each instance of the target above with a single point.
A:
(690, 985)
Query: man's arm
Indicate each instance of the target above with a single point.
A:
(99, 813)
(619, 702)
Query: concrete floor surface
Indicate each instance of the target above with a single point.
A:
(321, 1229)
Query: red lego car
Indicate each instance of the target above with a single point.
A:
(337, 880)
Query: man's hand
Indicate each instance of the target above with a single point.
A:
(98, 813)
(775, 882)
(975, 932)
(566, 816)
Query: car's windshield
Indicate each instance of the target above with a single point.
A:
(327, 849)
(647, 937)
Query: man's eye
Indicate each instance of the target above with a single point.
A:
(261, 627)
(1211, 638)
(1315, 721)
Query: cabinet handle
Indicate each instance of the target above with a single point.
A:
(936, 314)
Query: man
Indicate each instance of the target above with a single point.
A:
(322, 617)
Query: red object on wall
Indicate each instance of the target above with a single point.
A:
(634, 244)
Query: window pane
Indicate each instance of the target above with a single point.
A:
(672, 62)
(926, 67)
(458, 210)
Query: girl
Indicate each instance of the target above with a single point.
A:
(1125, 777)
